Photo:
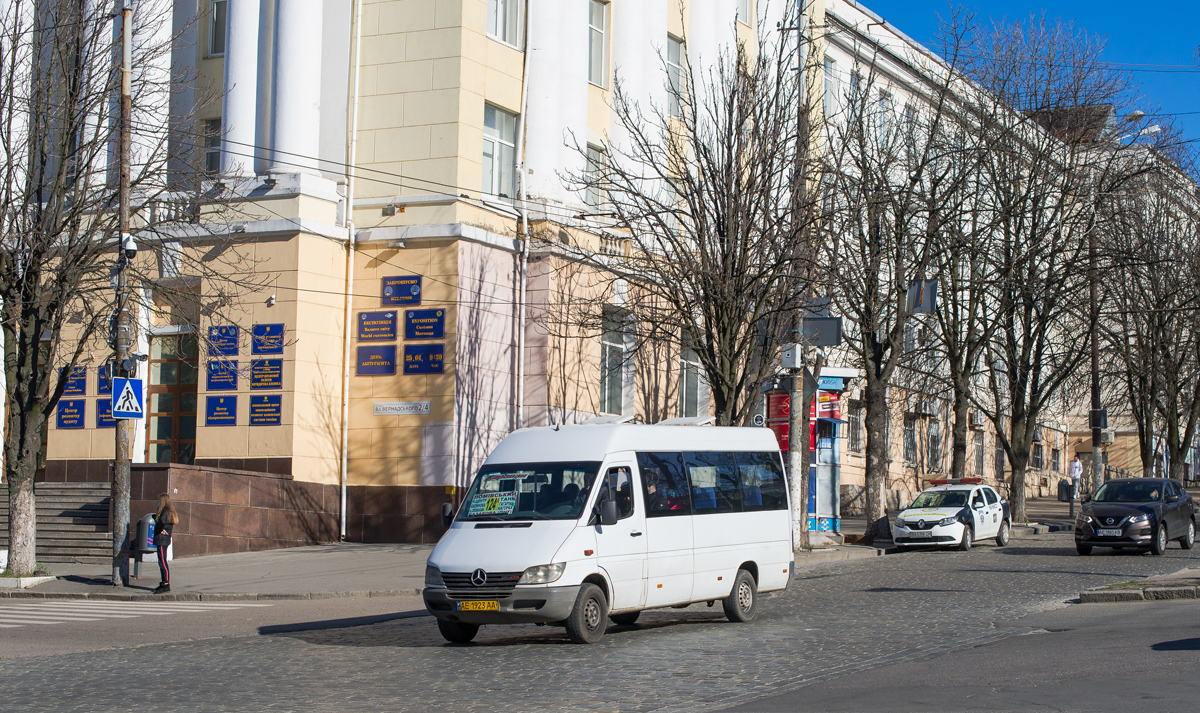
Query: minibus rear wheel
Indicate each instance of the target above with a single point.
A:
(742, 602)
(457, 632)
(589, 618)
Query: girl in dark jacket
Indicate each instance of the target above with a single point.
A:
(164, 522)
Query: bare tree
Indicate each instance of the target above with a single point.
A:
(58, 220)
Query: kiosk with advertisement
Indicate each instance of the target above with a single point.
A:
(825, 430)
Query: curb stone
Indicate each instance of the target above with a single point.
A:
(1169, 593)
(1111, 596)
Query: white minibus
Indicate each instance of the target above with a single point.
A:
(575, 525)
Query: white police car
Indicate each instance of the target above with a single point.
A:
(955, 512)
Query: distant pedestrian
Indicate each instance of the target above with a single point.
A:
(164, 522)
(1075, 471)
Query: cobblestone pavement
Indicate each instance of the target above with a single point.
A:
(836, 619)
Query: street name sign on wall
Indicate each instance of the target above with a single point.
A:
(401, 408)
(423, 358)
(425, 324)
(266, 374)
(127, 401)
(401, 290)
(104, 417)
(223, 341)
(71, 413)
(266, 410)
(220, 411)
(377, 326)
(77, 382)
(379, 360)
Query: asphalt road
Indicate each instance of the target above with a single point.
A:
(811, 648)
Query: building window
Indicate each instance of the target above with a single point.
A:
(854, 424)
(999, 461)
(830, 88)
(934, 462)
(744, 15)
(597, 44)
(674, 77)
(504, 21)
(212, 146)
(612, 365)
(910, 439)
(884, 118)
(597, 162)
(1035, 457)
(979, 456)
(174, 376)
(216, 28)
(689, 383)
(1055, 460)
(499, 152)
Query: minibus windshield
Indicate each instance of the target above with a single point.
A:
(529, 491)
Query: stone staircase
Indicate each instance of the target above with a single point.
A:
(72, 522)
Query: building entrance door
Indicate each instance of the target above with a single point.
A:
(171, 422)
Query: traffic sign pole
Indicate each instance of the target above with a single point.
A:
(122, 339)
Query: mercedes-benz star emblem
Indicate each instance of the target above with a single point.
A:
(479, 577)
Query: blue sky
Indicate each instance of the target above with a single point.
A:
(1144, 33)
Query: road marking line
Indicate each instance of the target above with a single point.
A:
(32, 620)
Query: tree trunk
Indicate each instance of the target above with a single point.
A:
(1016, 499)
(877, 460)
(22, 511)
(958, 447)
(798, 465)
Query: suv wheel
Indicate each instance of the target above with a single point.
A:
(1159, 545)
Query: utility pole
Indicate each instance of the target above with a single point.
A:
(124, 324)
(1096, 417)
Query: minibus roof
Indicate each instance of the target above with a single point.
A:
(593, 443)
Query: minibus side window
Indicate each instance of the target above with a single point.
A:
(664, 485)
(714, 481)
(763, 486)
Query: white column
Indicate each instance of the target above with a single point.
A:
(266, 69)
(240, 103)
(296, 92)
(543, 121)
(574, 93)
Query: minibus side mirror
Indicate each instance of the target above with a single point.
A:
(447, 514)
(1085, 498)
(608, 512)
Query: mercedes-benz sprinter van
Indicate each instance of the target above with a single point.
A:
(576, 525)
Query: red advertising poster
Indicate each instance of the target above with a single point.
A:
(781, 433)
(778, 405)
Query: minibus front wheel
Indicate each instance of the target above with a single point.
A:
(457, 632)
(742, 602)
(589, 617)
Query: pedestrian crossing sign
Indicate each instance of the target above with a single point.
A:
(127, 401)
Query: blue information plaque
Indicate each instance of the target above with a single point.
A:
(104, 417)
(379, 326)
(77, 382)
(268, 339)
(377, 360)
(266, 410)
(423, 358)
(402, 290)
(220, 411)
(425, 324)
(222, 375)
(223, 340)
(266, 374)
(103, 384)
(71, 413)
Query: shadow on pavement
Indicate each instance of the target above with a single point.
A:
(912, 589)
(1178, 645)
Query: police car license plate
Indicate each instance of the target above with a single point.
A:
(1108, 533)
(920, 533)
(479, 606)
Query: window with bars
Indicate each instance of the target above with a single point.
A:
(1055, 460)
(1036, 457)
(910, 439)
(689, 383)
(979, 454)
(504, 21)
(854, 424)
(174, 378)
(598, 43)
(934, 460)
(499, 152)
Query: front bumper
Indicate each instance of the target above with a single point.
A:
(939, 535)
(524, 605)
(1137, 535)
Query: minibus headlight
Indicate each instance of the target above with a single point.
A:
(542, 574)
(433, 576)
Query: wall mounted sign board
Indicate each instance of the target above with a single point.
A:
(423, 358)
(401, 408)
(425, 324)
(266, 374)
(104, 417)
(267, 339)
(220, 411)
(222, 376)
(401, 290)
(223, 341)
(378, 360)
(266, 410)
(377, 326)
(77, 382)
(71, 413)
